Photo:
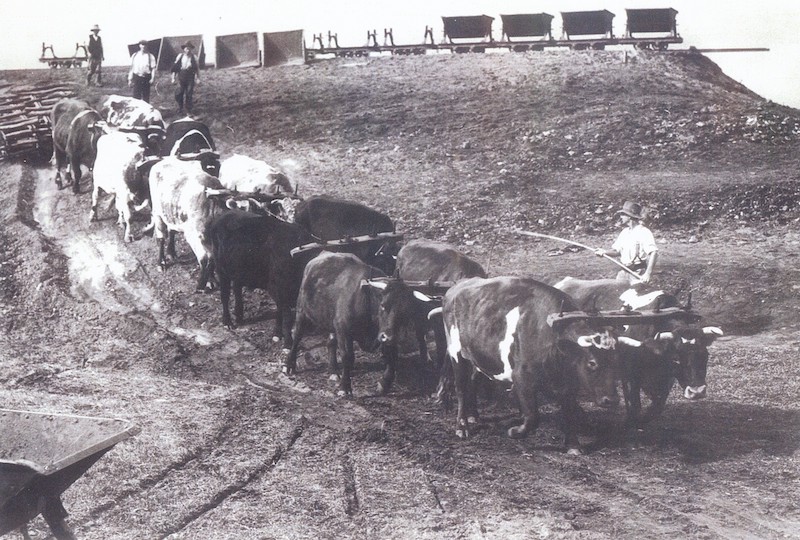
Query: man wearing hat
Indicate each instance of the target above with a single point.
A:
(635, 246)
(95, 50)
(186, 70)
(142, 72)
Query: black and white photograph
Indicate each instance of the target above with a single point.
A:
(461, 269)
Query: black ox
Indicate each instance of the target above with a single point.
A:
(252, 250)
(426, 260)
(338, 296)
(329, 218)
(671, 348)
(189, 139)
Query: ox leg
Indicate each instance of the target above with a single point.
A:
(290, 366)
(333, 365)
(633, 402)
(171, 245)
(444, 389)
(162, 260)
(76, 174)
(60, 158)
(525, 390)
(348, 361)
(238, 305)
(389, 354)
(286, 320)
(465, 390)
(658, 400)
(225, 298)
(571, 412)
(95, 202)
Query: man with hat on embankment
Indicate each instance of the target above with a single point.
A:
(95, 50)
(186, 70)
(142, 72)
(635, 246)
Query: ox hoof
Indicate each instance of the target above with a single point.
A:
(344, 393)
(333, 377)
(462, 433)
(381, 390)
(574, 452)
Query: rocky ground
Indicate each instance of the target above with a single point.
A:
(459, 148)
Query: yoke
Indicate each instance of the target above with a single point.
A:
(623, 317)
(347, 241)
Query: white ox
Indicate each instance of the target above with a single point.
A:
(128, 112)
(116, 174)
(180, 204)
(244, 173)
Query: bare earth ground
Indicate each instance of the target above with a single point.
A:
(461, 149)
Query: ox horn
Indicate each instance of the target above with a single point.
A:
(713, 330)
(664, 336)
(380, 285)
(211, 192)
(630, 342)
(424, 297)
(434, 312)
(585, 341)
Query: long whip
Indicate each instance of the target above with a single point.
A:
(584, 246)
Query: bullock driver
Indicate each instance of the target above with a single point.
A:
(142, 73)
(95, 50)
(186, 69)
(635, 246)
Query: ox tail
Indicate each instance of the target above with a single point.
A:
(435, 312)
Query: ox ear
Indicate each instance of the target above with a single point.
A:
(423, 297)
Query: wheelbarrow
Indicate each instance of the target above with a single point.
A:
(41, 455)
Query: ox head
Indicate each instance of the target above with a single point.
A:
(399, 305)
(209, 160)
(591, 355)
(285, 207)
(686, 348)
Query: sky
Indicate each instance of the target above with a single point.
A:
(774, 24)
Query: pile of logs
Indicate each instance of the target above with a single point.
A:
(25, 130)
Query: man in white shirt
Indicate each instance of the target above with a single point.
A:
(142, 72)
(635, 246)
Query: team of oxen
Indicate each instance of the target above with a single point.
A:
(336, 267)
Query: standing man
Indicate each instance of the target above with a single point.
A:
(95, 50)
(187, 72)
(635, 246)
(142, 73)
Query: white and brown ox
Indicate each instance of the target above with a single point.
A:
(672, 348)
(117, 173)
(178, 195)
(76, 128)
(498, 326)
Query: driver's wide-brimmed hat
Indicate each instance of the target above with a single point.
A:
(142, 42)
(188, 44)
(95, 28)
(632, 209)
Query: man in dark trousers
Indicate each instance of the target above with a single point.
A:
(95, 50)
(142, 73)
(186, 70)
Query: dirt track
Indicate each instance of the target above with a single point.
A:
(230, 448)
